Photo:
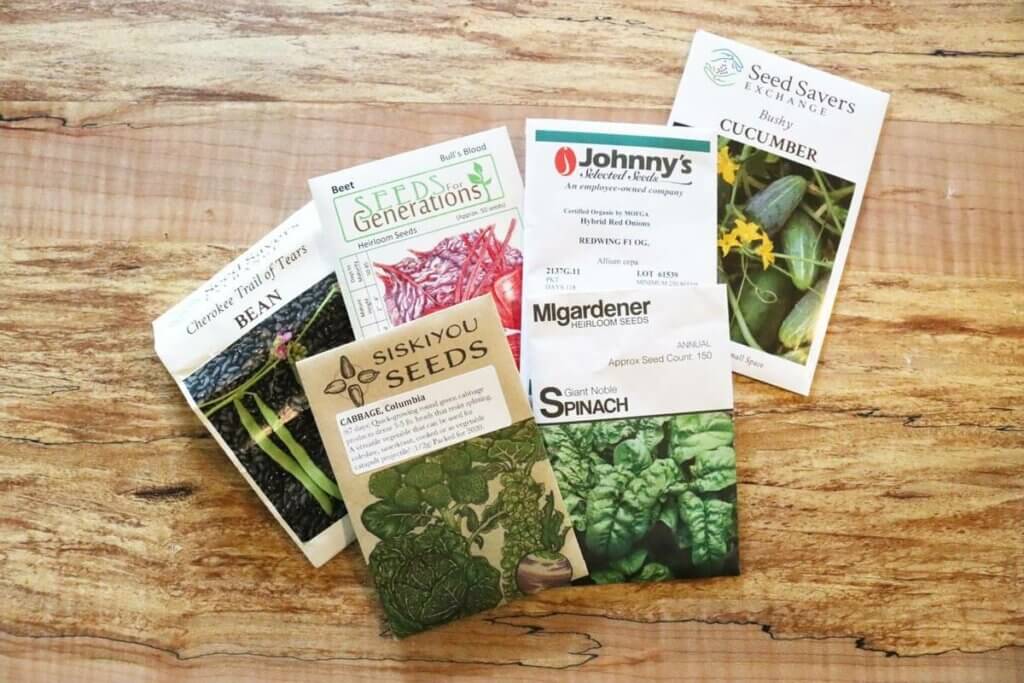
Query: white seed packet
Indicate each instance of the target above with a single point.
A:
(427, 229)
(633, 393)
(795, 149)
(231, 346)
(617, 206)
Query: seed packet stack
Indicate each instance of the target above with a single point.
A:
(367, 349)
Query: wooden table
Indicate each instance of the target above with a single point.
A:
(142, 146)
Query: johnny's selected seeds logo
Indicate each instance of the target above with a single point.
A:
(565, 161)
(351, 381)
(724, 67)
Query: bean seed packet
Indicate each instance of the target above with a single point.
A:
(617, 206)
(231, 346)
(639, 427)
(794, 152)
(442, 466)
(427, 229)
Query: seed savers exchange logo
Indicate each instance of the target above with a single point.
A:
(724, 67)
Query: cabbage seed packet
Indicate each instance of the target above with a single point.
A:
(794, 151)
(231, 346)
(442, 466)
(427, 229)
(639, 427)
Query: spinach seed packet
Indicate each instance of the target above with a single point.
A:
(442, 466)
(231, 346)
(639, 427)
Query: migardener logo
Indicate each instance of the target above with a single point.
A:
(724, 67)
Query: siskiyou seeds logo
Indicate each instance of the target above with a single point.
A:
(724, 67)
(351, 381)
(565, 161)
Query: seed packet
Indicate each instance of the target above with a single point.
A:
(794, 153)
(617, 206)
(427, 229)
(442, 466)
(639, 427)
(231, 346)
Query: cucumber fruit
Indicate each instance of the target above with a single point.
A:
(800, 241)
(771, 207)
(798, 327)
(764, 317)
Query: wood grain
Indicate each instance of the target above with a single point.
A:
(881, 515)
(881, 518)
(942, 60)
(229, 172)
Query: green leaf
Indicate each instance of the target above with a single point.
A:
(475, 179)
(456, 460)
(631, 563)
(552, 522)
(407, 498)
(483, 586)
(478, 168)
(437, 496)
(654, 571)
(472, 520)
(669, 515)
(384, 483)
(603, 576)
(694, 433)
(621, 509)
(633, 454)
(384, 520)
(424, 475)
(469, 488)
(715, 470)
(711, 525)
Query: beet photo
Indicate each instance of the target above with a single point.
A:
(457, 269)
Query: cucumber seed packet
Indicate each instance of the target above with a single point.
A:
(420, 231)
(639, 427)
(794, 152)
(442, 466)
(231, 346)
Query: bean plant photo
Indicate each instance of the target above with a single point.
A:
(650, 498)
(779, 226)
(465, 528)
(251, 395)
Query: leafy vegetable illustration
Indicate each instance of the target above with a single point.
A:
(649, 498)
(287, 348)
(455, 502)
(772, 209)
(430, 578)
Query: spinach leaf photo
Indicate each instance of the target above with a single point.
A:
(650, 498)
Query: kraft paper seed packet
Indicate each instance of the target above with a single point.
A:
(442, 466)
(794, 151)
(231, 346)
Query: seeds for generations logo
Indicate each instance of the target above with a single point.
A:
(724, 67)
